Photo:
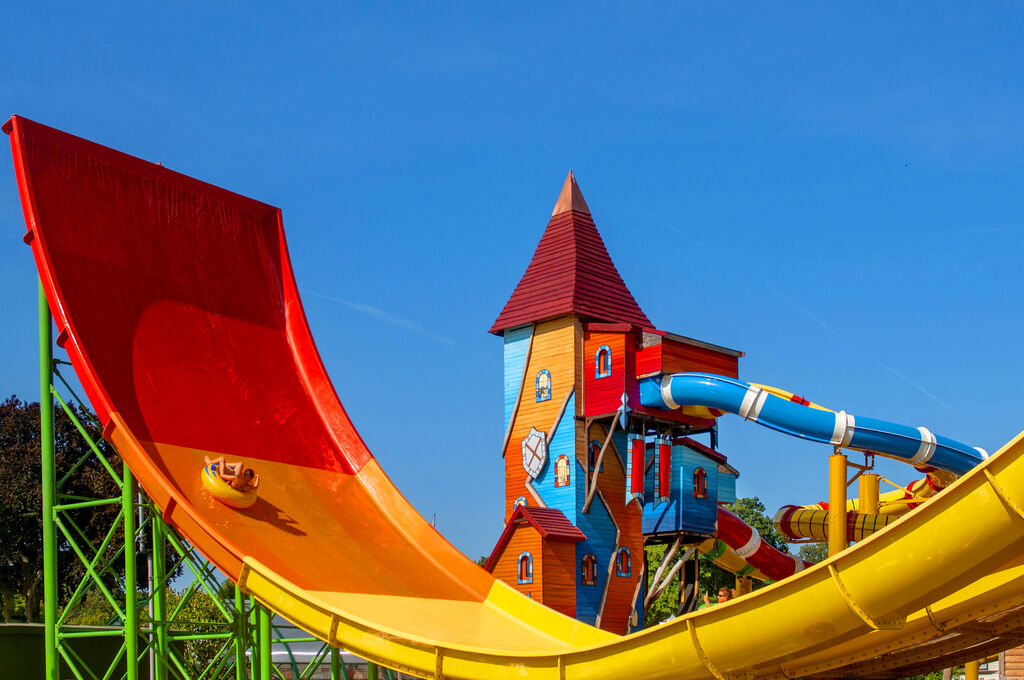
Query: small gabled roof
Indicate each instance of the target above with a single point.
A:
(571, 272)
(550, 523)
(702, 449)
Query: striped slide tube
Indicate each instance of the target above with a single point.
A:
(917, 446)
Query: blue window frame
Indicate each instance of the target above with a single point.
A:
(520, 500)
(544, 385)
(622, 562)
(525, 568)
(603, 362)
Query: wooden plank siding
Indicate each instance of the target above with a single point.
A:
(1013, 663)
(525, 538)
(560, 576)
(612, 485)
(604, 395)
(553, 345)
(672, 356)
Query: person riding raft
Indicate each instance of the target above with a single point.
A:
(232, 483)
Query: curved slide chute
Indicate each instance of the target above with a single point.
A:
(917, 446)
(176, 303)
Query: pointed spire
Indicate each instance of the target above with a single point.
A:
(571, 273)
(571, 198)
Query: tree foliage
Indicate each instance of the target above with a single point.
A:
(814, 552)
(21, 545)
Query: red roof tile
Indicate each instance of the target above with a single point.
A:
(550, 523)
(571, 272)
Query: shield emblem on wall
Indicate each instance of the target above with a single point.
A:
(535, 452)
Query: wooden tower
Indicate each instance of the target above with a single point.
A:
(575, 344)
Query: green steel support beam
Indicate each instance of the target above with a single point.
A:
(265, 643)
(49, 483)
(131, 593)
(159, 598)
(240, 634)
(254, 649)
(372, 671)
(335, 664)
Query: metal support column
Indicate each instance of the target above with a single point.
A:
(867, 494)
(49, 483)
(837, 503)
(241, 630)
(159, 598)
(131, 591)
(265, 643)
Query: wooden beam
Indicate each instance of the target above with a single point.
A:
(611, 562)
(597, 467)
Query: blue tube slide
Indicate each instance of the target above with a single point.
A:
(917, 446)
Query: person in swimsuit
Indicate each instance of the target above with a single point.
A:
(236, 475)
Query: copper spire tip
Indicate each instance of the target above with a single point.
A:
(571, 198)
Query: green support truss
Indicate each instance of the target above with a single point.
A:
(132, 568)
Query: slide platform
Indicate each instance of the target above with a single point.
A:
(177, 305)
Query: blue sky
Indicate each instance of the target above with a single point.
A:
(835, 191)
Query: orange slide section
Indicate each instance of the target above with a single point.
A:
(176, 303)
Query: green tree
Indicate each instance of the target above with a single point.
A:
(199, 615)
(814, 552)
(21, 544)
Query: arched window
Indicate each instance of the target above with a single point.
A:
(562, 471)
(593, 451)
(521, 500)
(622, 564)
(544, 385)
(603, 362)
(525, 568)
(588, 570)
(700, 483)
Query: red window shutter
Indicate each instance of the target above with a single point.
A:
(664, 470)
(637, 483)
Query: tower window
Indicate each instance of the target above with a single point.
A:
(593, 451)
(525, 568)
(700, 483)
(622, 562)
(544, 385)
(603, 362)
(562, 471)
(588, 570)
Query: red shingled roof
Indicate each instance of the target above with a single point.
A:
(571, 271)
(550, 523)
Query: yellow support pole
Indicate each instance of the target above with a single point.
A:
(744, 585)
(836, 503)
(971, 670)
(868, 494)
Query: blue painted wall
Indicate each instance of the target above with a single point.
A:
(600, 532)
(726, 487)
(683, 511)
(697, 514)
(563, 443)
(516, 342)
